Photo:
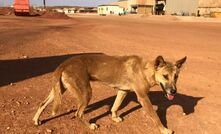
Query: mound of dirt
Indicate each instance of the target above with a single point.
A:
(54, 15)
(6, 11)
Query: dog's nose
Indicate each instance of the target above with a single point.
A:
(173, 91)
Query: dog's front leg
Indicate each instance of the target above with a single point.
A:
(120, 97)
(146, 104)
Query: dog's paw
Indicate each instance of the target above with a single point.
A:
(93, 126)
(166, 131)
(37, 122)
(53, 114)
(117, 119)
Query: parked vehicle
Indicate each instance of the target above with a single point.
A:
(159, 9)
(21, 7)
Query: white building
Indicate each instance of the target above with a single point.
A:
(69, 10)
(182, 7)
(59, 10)
(110, 9)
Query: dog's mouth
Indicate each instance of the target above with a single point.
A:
(168, 96)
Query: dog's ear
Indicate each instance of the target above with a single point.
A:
(159, 62)
(180, 62)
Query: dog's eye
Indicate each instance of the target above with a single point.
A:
(166, 77)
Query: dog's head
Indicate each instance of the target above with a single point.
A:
(166, 75)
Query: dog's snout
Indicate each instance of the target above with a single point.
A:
(173, 91)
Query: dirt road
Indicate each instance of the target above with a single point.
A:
(31, 48)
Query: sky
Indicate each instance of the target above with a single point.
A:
(61, 2)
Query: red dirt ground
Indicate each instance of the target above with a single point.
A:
(31, 48)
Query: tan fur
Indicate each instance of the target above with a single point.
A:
(124, 73)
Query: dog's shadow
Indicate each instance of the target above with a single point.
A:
(15, 70)
(187, 103)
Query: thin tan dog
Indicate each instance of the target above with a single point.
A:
(126, 73)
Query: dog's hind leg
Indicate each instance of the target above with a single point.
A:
(42, 106)
(81, 90)
(58, 91)
(120, 97)
(83, 103)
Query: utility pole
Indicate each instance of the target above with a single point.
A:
(44, 4)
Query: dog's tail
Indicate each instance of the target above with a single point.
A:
(58, 90)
